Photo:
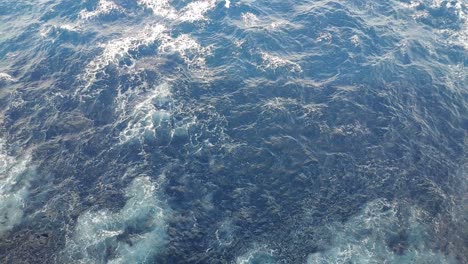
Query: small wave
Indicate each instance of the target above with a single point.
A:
(188, 48)
(51, 30)
(192, 12)
(196, 11)
(260, 254)
(273, 62)
(133, 235)
(115, 50)
(118, 49)
(160, 8)
(252, 22)
(353, 129)
(104, 7)
(455, 24)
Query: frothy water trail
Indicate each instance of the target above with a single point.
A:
(118, 49)
(134, 234)
(5, 77)
(150, 116)
(15, 176)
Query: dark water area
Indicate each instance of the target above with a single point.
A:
(214, 131)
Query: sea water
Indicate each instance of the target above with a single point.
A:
(242, 131)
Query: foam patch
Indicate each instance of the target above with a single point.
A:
(104, 7)
(134, 234)
(274, 62)
(14, 188)
(380, 234)
(258, 255)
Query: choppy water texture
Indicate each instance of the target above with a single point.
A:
(242, 131)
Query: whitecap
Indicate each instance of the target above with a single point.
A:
(188, 48)
(251, 21)
(151, 114)
(118, 49)
(196, 11)
(192, 12)
(5, 77)
(259, 254)
(160, 8)
(114, 51)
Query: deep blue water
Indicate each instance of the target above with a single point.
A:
(242, 131)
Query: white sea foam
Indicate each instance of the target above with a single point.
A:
(189, 50)
(5, 77)
(279, 104)
(49, 30)
(250, 20)
(253, 22)
(115, 50)
(355, 40)
(273, 62)
(324, 37)
(353, 129)
(14, 188)
(118, 49)
(366, 238)
(161, 8)
(149, 115)
(462, 34)
(456, 8)
(98, 233)
(104, 7)
(259, 254)
(192, 12)
(196, 11)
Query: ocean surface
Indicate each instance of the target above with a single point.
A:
(241, 131)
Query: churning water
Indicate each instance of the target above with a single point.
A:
(241, 131)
